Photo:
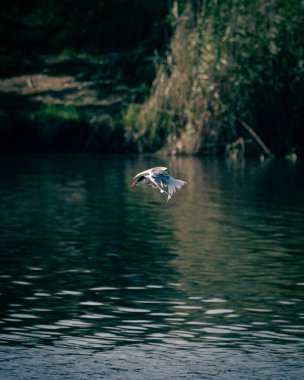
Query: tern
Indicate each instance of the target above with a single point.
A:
(158, 178)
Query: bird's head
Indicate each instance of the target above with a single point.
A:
(139, 180)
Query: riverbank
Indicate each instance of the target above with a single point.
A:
(67, 104)
(179, 78)
(84, 104)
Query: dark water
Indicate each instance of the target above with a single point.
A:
(103, 281)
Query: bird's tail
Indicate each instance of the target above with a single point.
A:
(178, 183)
(173, 185)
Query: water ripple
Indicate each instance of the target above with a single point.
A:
(88, 264)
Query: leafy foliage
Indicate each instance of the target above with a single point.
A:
(92, 26)
(228, 61)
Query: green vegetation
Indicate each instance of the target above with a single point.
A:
(228, 63)
(177, 76)
(53, 112)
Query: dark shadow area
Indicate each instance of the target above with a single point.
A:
(29, 126)
(153, 73)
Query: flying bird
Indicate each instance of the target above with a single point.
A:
(160, 179)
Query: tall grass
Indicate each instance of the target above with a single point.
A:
(228, 62)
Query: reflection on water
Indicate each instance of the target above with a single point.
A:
(88, 263)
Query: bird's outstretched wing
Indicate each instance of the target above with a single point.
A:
(165, 183)
(151, 171)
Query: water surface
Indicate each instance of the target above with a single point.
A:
(100, 280)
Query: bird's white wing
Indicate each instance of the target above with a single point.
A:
(158, 180)
(158, 169)
(165, 182)
(148, 172)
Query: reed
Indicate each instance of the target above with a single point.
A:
(228, 62)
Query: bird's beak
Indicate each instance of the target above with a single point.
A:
(133, 184)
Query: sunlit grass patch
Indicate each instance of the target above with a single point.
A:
(59, 112)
